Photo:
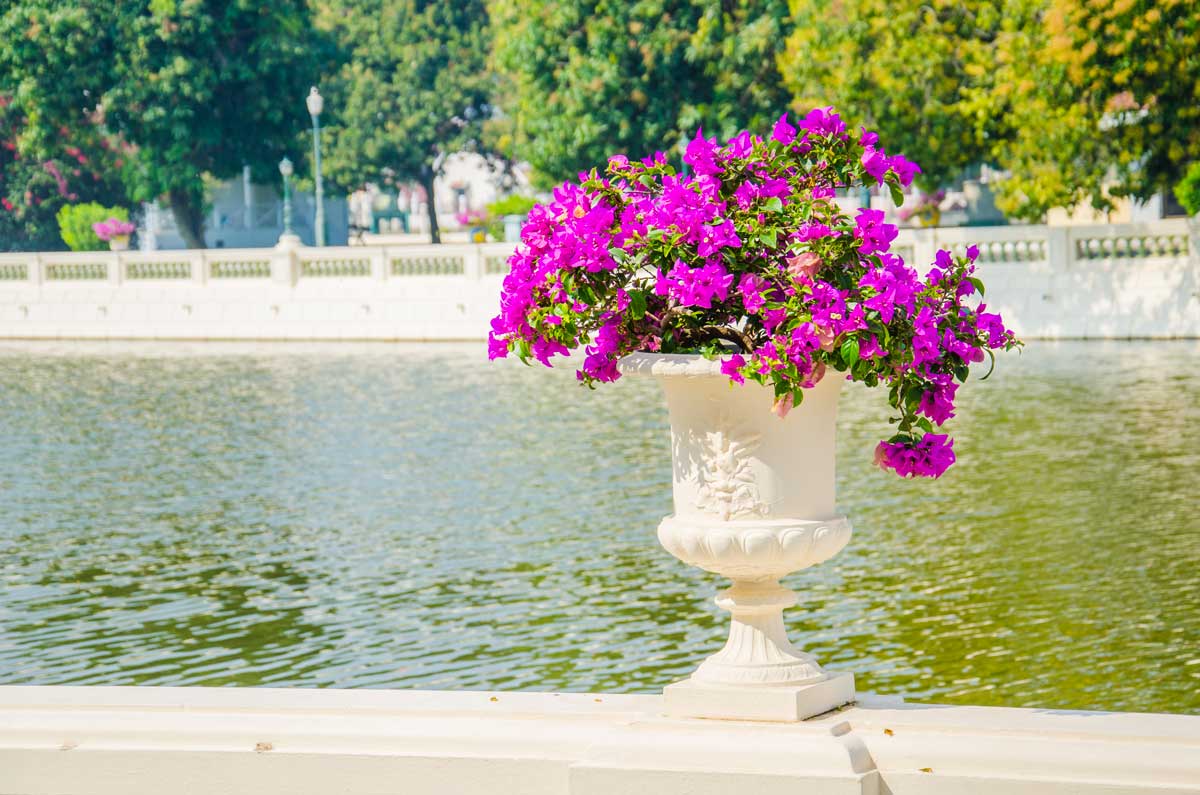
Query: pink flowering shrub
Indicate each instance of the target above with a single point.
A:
(113, 227)
(748, 259)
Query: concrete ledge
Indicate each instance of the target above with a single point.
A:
(143, 741)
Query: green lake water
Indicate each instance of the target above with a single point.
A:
(413, 517)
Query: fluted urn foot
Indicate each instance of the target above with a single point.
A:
(758, 651)
(759, 674)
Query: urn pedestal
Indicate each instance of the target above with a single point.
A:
(754, 501)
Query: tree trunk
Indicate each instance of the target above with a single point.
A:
(189, 217)
(427, 183)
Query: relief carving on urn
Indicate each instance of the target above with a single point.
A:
(726, 481)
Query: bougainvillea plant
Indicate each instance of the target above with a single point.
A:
(749, 259)
(113, 228)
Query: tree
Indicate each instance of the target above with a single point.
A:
(1104, 101)
(590, 79)
(918, 72)
(83, 166)
(415, 88)
(194, 87)
(1080, 100)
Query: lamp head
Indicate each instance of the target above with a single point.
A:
(315, 102)
(285, 167)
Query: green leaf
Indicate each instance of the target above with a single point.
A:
(769, 238)
(850, 352)
(774, 205)
(978, 284)
(637, 304)
(861, 370)
(897, 194)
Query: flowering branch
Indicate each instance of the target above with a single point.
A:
(751, 250)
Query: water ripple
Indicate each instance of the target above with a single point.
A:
(408, 516)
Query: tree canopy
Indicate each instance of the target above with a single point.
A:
(415, 88)
(919, 73)
(35, 182)
(193, 87)
(589, 79)
(1102, 100)
(1079, 100)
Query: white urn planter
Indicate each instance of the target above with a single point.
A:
(118, 243)
(754, 501)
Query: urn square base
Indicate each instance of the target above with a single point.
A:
(689, 699)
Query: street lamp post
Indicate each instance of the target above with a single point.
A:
(316, 103)
(285, 168)
(289, 239)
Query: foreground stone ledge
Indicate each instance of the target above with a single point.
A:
(148, 741)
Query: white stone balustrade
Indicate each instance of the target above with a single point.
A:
(403, 292)
(1113, 281)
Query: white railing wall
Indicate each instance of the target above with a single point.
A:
(259, 741)
(402, 292)
(1112, 281)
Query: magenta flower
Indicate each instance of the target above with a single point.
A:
(875, 162)
(876, 236)
(783, 132)
(813, 231)
(543, 349)
(701, 155)
(937, 403)
(905, 169)
(695, 286)
(751, 288)
(823, 121)
(929, 458)
(113, 228)
(749, 261)
(732, 367)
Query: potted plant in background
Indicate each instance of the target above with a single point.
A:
(115, 232)
(927, 211)
(752, 296)
(1187, 192)
(94, 227)
(506, 216)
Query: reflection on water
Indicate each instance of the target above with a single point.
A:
(407, 516)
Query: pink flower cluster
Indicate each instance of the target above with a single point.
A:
(113, 227)
(750, 260)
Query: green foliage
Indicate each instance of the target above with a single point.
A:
(514, 204)
(919, 73)
(1188, 189)
(194, 87)
(415, 88)
(1066, 95)
(75, 224)
(1103, 100)
(35, 181)
(587, 79)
